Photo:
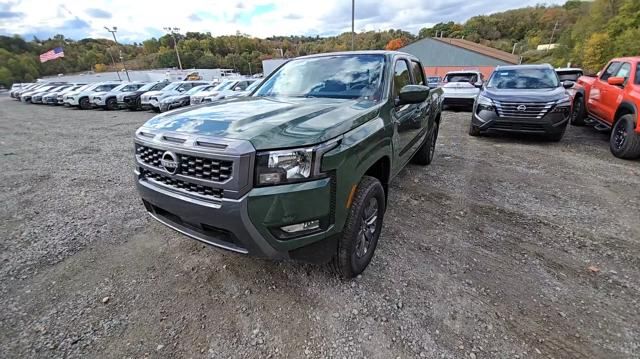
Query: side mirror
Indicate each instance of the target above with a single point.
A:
(412, 94)
(568, 84)
(616, 81)
(598, 73)
(478, 84)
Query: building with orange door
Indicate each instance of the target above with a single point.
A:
(441, 55)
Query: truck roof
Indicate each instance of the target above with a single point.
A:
(517, 67)
(628, 59)
(361, 52)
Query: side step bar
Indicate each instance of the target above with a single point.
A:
(598, 124)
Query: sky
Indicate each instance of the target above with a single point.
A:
(138, 20)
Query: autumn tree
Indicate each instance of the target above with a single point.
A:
(394, 44)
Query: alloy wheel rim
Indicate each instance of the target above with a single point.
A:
(619, 137)
(367, 230)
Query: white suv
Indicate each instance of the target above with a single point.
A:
(461, 88)
(109, 99)
(81, 98)
(151, 100)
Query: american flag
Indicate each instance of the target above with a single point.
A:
(52, 54)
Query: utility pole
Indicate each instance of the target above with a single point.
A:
(172, 32)
(113, 32)
(514, 48)
(555, 27)
(114, 65)
(353, 20)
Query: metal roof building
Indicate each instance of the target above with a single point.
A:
(441, 55)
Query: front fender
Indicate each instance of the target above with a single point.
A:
(359, 149)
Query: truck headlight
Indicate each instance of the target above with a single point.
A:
(291, 166)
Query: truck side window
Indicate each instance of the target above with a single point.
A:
(610, 71)
(637, 81)
(625, 71)
(400, 77)
(418, 73)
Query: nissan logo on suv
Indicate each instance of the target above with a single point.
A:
(522, 108)
(170, 162)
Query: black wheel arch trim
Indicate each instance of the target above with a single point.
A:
(626, 105)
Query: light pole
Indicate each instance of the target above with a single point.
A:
(114, 65)
(353, 19)
(113, 32)
(173, 32)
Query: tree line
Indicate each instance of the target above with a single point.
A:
(587, 34)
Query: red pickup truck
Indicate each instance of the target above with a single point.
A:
(611, 101)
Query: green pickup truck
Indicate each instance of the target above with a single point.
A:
(300, 169)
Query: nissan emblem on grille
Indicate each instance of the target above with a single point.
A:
(170, 162)
(522, 108)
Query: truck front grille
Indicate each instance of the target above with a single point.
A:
(192, 166)
(182, 186)
(535, 110)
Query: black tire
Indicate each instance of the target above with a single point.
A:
(624, 142)
(111, 104)
(424, 156)
(156, 109)
(474, 130)
(355, 248)
(578, 114)
(84, 103)
(556, 137)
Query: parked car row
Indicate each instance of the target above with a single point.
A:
(112, 95)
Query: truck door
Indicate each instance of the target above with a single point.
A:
(404, 116)
(612, 98)
(599, 90)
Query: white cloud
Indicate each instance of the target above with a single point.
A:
(138, 20)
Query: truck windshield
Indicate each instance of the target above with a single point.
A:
(338, 76)
(524, 79)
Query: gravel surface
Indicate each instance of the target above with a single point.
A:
(503, 248)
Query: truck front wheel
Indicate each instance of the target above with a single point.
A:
(362, 229)
(578, 114)
(624, 142)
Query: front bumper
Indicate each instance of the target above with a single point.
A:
(551, 123)
(98, 102)
(459, 98)
(150, 104)
(71, 101)
(225, 210)
(247, 225)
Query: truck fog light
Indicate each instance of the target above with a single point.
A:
(304, 226)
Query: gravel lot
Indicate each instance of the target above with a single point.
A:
(503, 248)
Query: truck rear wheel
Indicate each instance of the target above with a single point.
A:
(362, 229)
(578, 114)
(624, 142)
(424, 156)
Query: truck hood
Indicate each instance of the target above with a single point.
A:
(526, 95)
(270, 122)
